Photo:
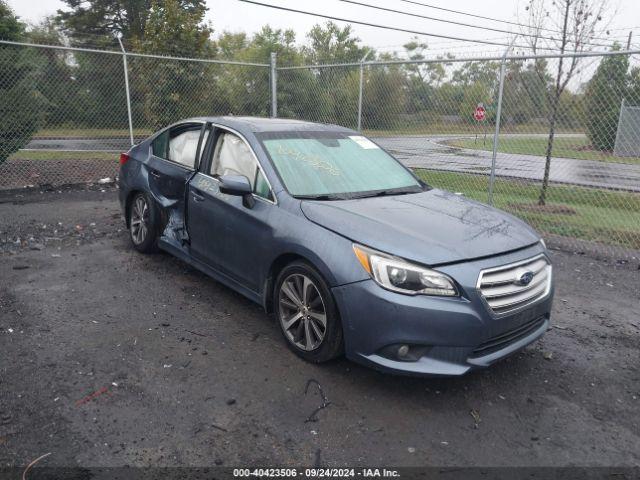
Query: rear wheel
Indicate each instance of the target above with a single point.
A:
(143, 224)
(307, 313)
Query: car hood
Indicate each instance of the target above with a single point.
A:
(431, 227)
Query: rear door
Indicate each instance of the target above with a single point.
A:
(172, 159)
(224, 233)
(172, 162)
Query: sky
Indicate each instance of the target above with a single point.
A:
(235, 16)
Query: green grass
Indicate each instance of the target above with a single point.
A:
(563, 147)
(442, 128)
(72, 132)
(585, 213)
(51, 155)
(436, 128)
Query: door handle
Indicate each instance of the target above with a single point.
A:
(197, 197)
(154, 173)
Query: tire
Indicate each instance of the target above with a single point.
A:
(144, 226)
(305, 334)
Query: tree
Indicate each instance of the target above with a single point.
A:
(56, 76)
(422, 78)
(384, 97)
(479, 82)
(332, 44)
(524, 94)
(230, 45)
(19, 108)
(333, 92)
(604, 95)
(171, 89)
(105, 17)
(292, 96)
(577, 21)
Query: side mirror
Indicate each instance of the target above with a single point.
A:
(238, 185)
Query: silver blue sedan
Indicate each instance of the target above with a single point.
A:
(351, 252)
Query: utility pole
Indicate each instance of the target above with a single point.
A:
(629, 40)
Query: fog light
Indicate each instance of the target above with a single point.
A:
(403, 350)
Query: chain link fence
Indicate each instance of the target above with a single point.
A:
(497, 130)
(575, 189)
(65, 111)
(627, 139)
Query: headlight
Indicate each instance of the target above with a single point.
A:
(401, 276)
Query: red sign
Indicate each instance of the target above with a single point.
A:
(480, 113)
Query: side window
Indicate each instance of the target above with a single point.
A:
(183, 145)
(232, 156)
(179, 144)
(160, 145)
(262, 187)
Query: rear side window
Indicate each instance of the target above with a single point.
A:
(179, 144)
(160, 146)
(183, 146)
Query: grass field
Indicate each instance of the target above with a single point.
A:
(53, 155)
(452, 128)
(72, 132)
(585, 213)
(437, 128)
(563, 147)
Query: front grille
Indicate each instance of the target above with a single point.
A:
(504, 290)
(505, 339)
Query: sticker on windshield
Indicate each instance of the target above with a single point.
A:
(363, 142)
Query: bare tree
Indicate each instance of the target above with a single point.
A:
(576, 22)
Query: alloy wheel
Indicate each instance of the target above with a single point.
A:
(139, 220)
(302, 312)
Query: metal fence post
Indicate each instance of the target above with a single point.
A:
(361, 89)
(274, 86)
(126, 86)
(492, 178)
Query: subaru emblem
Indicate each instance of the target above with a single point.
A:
(525, 278)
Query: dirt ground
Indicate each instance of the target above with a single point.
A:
(18, 173)
(110, 358)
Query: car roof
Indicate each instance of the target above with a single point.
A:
(262, 124)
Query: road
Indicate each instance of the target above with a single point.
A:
(429, 152)
(110, 358)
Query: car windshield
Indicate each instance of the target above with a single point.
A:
(335, 165)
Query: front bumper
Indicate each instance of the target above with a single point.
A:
(450, 336)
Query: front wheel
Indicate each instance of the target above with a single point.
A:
(307, 313)
(143, 224)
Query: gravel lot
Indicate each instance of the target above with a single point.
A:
(110, 358)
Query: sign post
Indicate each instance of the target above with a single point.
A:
(480, 114)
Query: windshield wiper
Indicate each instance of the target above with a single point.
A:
(384, 193)
(351, 196)
(319, 197)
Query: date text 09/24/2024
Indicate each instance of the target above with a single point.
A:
(316, 472)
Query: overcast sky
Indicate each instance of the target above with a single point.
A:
(234, 15)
